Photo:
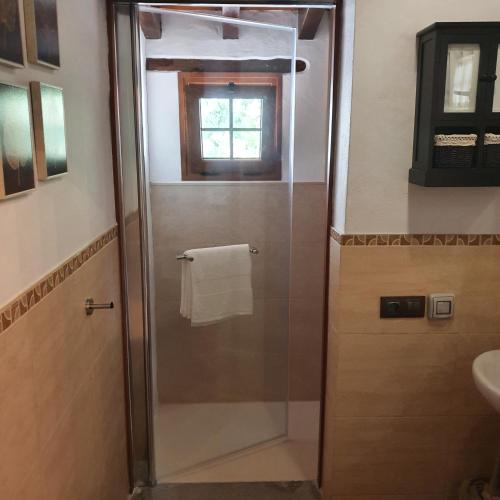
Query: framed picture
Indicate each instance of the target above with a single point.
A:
(11, 40)
(47, 103)
(17, 173)
(42, 34)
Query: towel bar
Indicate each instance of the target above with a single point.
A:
(252, 250)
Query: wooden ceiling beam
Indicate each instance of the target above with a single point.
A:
(309, 20)
(151, 25)
(230, 31)
(224, 65)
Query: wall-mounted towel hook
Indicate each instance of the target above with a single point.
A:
(91, 306)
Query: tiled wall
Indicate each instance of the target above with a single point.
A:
(243, 359)
(62, 417)
(404, 419)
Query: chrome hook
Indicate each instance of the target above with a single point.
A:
(91, 306)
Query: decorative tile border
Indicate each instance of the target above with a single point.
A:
(10, 313)
(363, 240)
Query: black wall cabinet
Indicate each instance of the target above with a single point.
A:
(457, 117)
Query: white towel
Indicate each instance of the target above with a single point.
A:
(216, 284)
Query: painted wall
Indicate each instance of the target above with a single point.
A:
(43, 228)
(379, 198)
(343, 117)
(189, 38)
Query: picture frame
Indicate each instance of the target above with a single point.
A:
(17, 168)
(42, 33)
(47, 103)
(11, 35)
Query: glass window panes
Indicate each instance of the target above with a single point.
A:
(461, 78)
(246, 144)
(247, 113)
(496, 99)
(231, 128)
(214, 113)
(215, 144)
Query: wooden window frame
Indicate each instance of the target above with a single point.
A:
(193, 86)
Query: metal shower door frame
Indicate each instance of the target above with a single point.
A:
(135, 8)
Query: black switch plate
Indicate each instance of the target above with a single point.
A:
(402, 307)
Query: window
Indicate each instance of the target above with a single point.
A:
(230, 126)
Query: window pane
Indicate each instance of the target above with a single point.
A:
(461, 78)
(247, 113)
(214, 113)
(496, 100)
(215, 144)
(246, 144)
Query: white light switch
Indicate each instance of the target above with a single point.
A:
(441, 305)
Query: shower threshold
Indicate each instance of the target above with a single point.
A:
(293, 490)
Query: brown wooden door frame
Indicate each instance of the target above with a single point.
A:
(336, 20)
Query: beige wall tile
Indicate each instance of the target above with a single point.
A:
(62, 423)
(474, 434)
(389, 435)
(416, 373)
(58, 461)
(394, 375)
(308, 270)
(306, 346)
(368, 273)
(334, 285)
(241, 359)
(18, 412)
(197, 215)
(309, 213)
(382, 474)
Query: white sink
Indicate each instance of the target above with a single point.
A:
(486, 372)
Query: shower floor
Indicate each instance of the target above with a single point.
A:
(235, 491)
(236, 442)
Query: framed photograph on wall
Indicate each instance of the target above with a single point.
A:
(11, 39)
(42, 33)
(47, 103)
(17, 172)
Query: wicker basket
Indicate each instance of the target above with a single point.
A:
(492, 150)
(454, 150)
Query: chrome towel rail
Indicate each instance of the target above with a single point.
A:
(252, 250)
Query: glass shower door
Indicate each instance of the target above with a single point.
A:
(219, 114)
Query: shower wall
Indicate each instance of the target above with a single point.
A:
(248, 348)
(241, 359)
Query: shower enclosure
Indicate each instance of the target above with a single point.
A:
(206, 134)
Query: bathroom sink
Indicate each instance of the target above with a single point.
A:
(486, 373)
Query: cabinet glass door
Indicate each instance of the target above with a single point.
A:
(496, 98)
(462, 72)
